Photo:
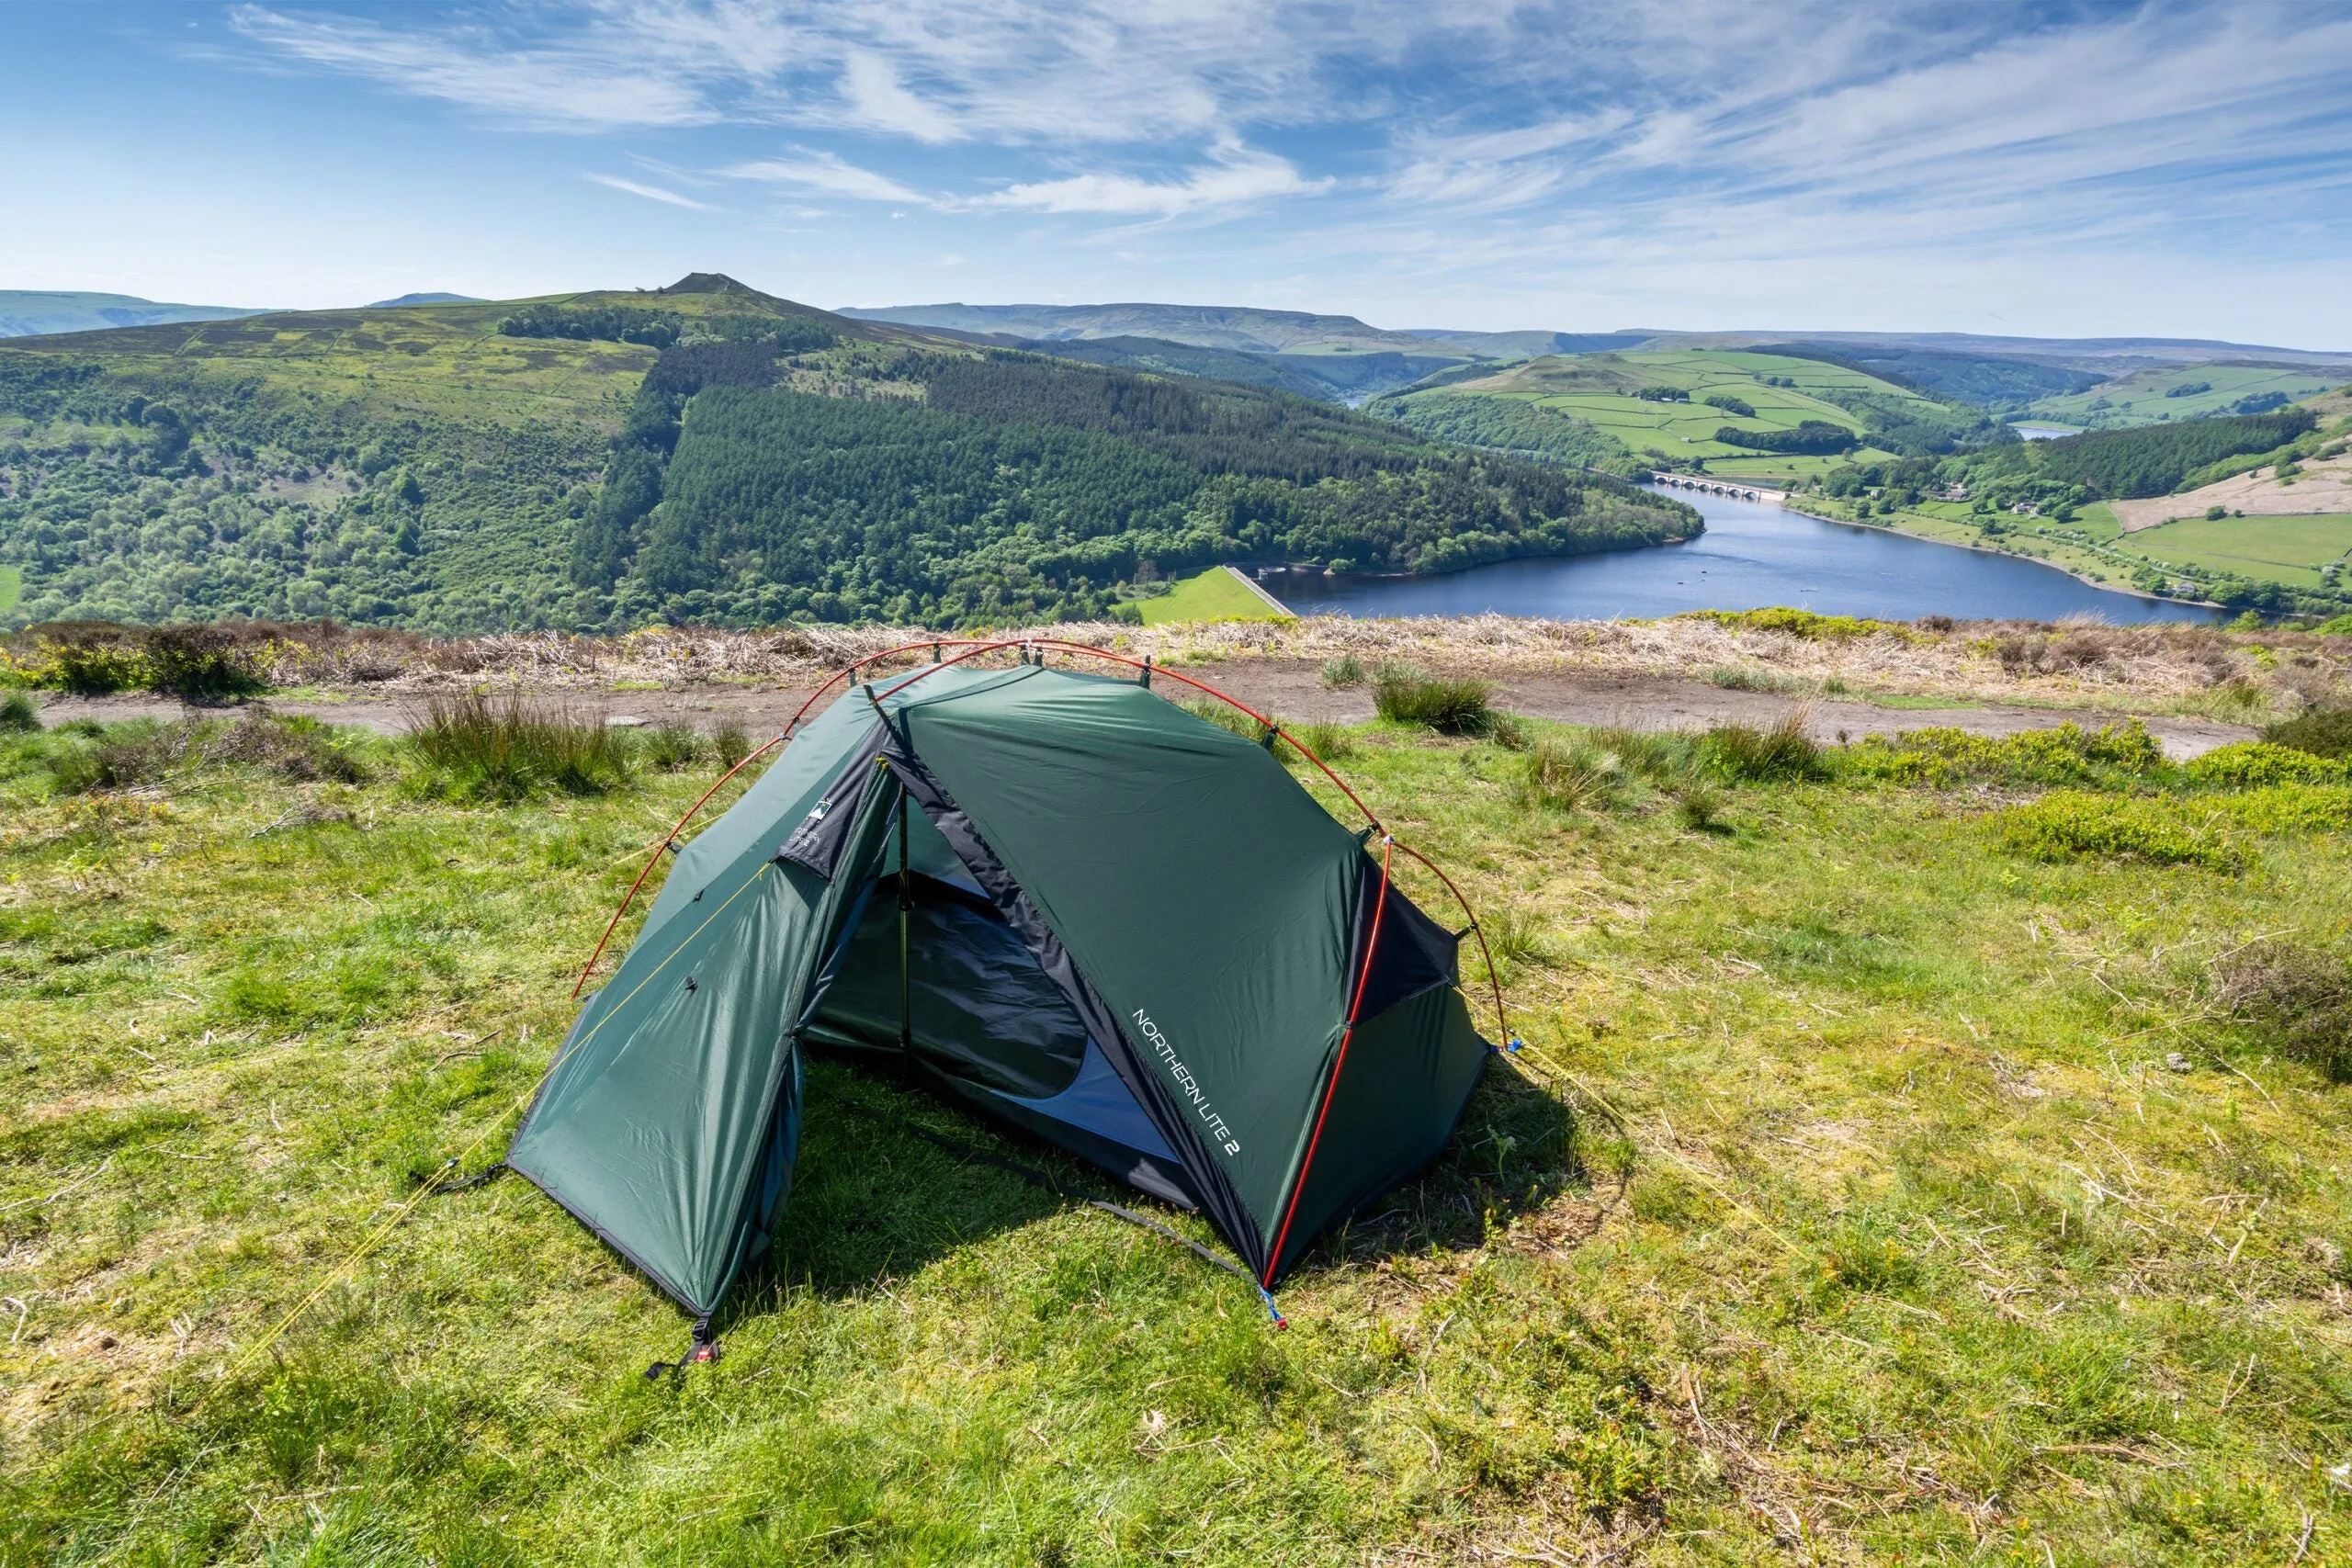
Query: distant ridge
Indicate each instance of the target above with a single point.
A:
(37, 312)
(424, 300)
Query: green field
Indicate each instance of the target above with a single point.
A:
(2284, 550)
(1600, 389)
(1843, 1208)
(2139, 398)
(1216, 594)
(12, 582)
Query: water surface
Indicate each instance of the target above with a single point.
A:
(1753, 554)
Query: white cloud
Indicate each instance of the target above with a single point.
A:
(826, 171)
(560, 86)
(1237, 177)
(650, 193)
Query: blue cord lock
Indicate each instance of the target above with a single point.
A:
(1271, 1310)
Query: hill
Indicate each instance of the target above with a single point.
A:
(1236, 327)
(480, 464)
(1742, 414)
(2000, 382)
(29, 313)
(428, 299)
(2174, 393)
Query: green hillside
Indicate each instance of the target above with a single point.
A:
(1737, 413)
(478, 465)
(2179, 393)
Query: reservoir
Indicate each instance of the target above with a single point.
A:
(1753, 554)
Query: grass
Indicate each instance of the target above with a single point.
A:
(1451, 705)
(2139, 398)
(479, 746)
(12, 584)
(1216, 594)
(1843, 1207)
(2278, 549)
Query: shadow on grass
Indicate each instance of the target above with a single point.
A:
(874, 1200)
(1518, 1151)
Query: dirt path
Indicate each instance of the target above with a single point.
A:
(1291, 689)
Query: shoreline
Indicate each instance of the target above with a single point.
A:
(2013, 554)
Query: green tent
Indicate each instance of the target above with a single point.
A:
(1055, 897)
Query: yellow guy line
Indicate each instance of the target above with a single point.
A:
(426, 1189)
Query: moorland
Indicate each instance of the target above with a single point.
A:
(1924, 1148)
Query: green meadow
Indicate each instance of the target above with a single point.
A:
(1921, 1153)
(2178, 392)
(2287, 549)
(1779, 391)
(1212, 595)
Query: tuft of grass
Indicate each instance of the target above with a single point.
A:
(1773, 753)
(670, 745)
(1568, 772)
(2298, 996)
(1347, 670)
(477, 747)
(1516, 934)
(1449, 705)
(1224, 716)
(1738, 678)
(729, 742)
(1328, 740)
(1699, 807)
(2321, 731)
(19, 714)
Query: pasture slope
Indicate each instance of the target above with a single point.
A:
(1771, 394)
(2182, 391)
(1923, 1150)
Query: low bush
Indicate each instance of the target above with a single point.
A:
(2253, 764)
(1763, 754)
(2066, 823)
(19, 714)
(2321, 731)
(295, 745)
(1942, 757)
(142, 751)
(200, 661)
(1805, 624)
(476, 747)
(1447, 705)
(2298, 996)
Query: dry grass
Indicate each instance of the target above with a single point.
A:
(2174, 668)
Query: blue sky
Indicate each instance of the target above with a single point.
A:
(2077, 170)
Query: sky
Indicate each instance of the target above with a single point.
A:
(2055, 169)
